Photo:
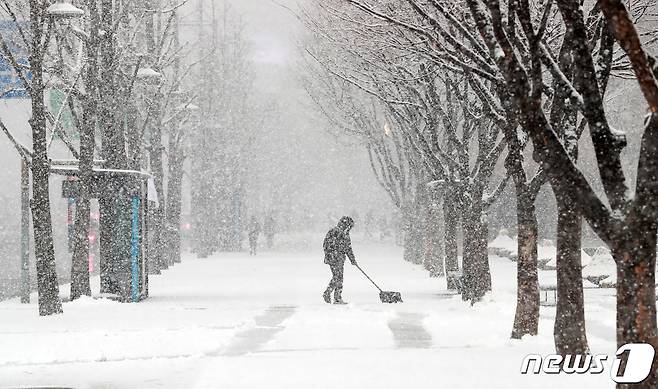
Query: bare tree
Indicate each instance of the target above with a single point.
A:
(437, 132)
(36, 40)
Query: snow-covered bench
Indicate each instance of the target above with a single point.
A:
(546, 289)
(548, 286)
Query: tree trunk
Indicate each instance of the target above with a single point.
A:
(157, 258)
(80, 260)
(106, 223)
(451, 218)
(175, 159)
(433, 256)
(49, 301)
(158, 214)
(25, 232)
(636, 293)
(174, 203)
(476, 278)
(114, 153)
(203, 209)
(413, 233)
(526, 319)
(569, 331)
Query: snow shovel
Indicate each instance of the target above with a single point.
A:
(386, 297)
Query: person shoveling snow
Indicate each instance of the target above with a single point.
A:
(337, 245)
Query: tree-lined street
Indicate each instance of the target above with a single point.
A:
(492, 164)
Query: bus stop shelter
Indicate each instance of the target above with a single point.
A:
(130, 192)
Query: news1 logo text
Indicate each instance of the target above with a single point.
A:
(631, 364)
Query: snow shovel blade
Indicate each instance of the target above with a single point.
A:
(390, 297)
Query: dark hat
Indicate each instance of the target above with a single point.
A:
(346, 222)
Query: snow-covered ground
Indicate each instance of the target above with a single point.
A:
(235, 321)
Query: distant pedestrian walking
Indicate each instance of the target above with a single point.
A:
(384, 231)
(337, 246)
(269, 229)
(369, 225)
(254, 231)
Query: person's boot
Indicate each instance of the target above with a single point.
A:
(327, 296)
(338, 299)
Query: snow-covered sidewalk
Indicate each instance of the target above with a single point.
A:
(234, 321)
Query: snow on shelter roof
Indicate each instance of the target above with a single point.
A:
(104, 180)
(68, 170)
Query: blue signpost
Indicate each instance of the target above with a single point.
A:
(134, 249)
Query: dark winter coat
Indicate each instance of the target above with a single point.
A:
(337, 246)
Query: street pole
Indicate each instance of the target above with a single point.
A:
(25, 232)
